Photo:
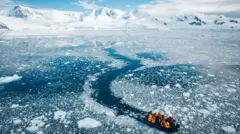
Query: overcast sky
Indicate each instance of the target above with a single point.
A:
(229, 8)
(163, 7)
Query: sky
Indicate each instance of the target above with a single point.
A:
(230, 8)
(73, 5)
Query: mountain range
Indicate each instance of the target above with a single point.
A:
(22, 17)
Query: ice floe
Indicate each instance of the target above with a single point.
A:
(17, 121)
(18, 106)
(204, 112)
(187, 95)
(125, 121)
(15, 106)
(60, 115)
(88, 123)
(229, 129)
(8, 79)
(231, 90)
(36, 123)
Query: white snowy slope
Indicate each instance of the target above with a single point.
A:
(21, 17)
(144, 19)
(44, 15)
(102, 18)
(19, 24)
(103, 14)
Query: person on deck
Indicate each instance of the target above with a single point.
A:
(171, 121)
(154, 118)
(159, 115)
(162, 117)
(158, 120)
(150, 117)
(165, 124)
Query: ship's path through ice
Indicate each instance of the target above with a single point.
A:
(103, 93)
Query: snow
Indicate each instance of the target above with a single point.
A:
(104, 18)
(9, 79)
(88, 123)
(36, 14)
(229, 129)
(103, 14)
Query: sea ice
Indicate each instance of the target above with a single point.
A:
(17, 121)
(229, 129)
(88, 123)
(178, 85)
(36, 124)
(93, 106)
(167, 87)
(204, 112)
(8, 79)
(60, 115)
(128, 130)
(231, 90)
(187, 95)
(211, 75)
(15, 106)
(125, 121)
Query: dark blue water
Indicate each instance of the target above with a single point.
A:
(55, 76)
(103, 92)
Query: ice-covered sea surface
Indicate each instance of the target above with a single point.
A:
(101, 81)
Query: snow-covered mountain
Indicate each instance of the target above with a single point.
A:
(3, 26)
(221, 20)
(105, 18)
(35, 14)
(102, 14)
(135, 15)
(189, 19)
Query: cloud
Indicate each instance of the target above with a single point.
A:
(6, 4)
(87, 4)
(166, 7)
